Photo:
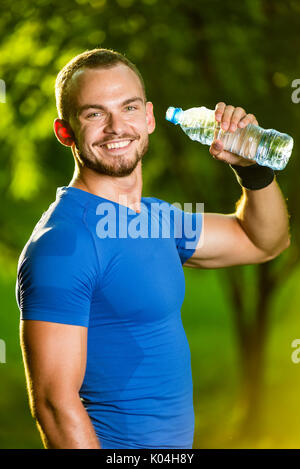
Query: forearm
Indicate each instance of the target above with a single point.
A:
(65, 425)
(264, 217)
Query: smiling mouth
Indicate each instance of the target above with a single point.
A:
(124, 144)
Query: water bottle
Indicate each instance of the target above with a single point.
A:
(267, 147)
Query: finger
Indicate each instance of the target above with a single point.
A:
(226, 118)
(237, 115)
(228, 157)
(247, 119)
(217, 152)
(219, 109)
(216, 148)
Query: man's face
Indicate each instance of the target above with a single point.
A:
(112, 121)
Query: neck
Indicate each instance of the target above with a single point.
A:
(125, 190)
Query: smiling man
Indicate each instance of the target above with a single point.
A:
(129, 141)
(106, 356)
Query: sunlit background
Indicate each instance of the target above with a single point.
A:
(240, 321)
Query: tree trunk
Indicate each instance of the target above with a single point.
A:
(252, 335)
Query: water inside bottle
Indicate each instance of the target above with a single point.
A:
(267, 147)
(199, 124)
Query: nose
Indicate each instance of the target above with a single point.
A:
(114, 124)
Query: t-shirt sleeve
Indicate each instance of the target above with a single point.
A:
(188, 227)
(57, 273)
(185, 227)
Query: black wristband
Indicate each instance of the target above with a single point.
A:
(253, 177)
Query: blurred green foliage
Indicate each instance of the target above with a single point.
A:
(189, 53)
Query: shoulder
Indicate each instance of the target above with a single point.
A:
(58, 238)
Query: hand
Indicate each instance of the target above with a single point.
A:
(231, 118)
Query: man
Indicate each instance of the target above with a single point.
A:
(106, 357)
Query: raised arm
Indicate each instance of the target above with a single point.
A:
(258, 231)
(55, 360)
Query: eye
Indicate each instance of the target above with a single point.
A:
(131, 108)
(94, 114)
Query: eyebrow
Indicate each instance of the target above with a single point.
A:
(99, 106)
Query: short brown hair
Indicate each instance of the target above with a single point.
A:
(95, 58)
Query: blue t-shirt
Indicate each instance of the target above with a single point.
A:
(96, 263)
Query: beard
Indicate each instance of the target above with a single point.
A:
(119, 166)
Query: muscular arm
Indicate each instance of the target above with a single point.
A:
(257, 232)
(55, 360)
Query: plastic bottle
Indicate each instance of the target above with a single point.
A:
(266, 146)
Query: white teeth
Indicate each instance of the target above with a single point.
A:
(110, 146)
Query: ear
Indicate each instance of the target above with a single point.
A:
(150, 117)
(63, 132)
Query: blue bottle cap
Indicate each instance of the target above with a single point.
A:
(172, 114)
